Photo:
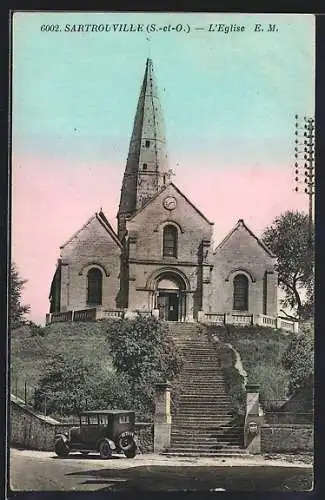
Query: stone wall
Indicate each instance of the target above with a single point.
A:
(287, 438)
(144, 433)
(30, 430)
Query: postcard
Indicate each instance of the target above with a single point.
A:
(162, 297)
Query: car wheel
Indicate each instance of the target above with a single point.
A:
(105, 450)
(61, 448)
(126, 443)
(131, 453)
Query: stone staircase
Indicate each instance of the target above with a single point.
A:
(203, 424)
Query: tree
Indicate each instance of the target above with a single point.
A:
(298, 359)
(288, 238)
(143, 351)
(71, 384)
(17, 309)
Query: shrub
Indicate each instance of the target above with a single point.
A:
(71, 384)
(145, 354)
(234, 386)
(298, 359)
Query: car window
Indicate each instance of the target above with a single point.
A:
(124, 419)
(103, 419)
(84, 420)
(93, 419)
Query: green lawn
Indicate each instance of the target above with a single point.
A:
(29, 352)
(261, 351)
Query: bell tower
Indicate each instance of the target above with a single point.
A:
(146, 168)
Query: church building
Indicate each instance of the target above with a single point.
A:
(161, 260)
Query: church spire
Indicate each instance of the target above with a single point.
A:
(146, 167)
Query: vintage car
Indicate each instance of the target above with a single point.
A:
(103, 431)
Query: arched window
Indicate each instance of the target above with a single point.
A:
(170, 241)
(240, 293)
(94, 287)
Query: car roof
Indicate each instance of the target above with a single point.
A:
(106, 412)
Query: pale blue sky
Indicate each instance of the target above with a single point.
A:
(242, 87)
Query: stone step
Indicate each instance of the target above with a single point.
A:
(212, 413)
(206, 448)
(203, 364)
(189, 411)
(199, 419)
(198, 375)
(196, 378)
(198, 347)
(198, 389)
(197, 367)
(235, 440)
(200, 382)
(201, 410)
(207, 433)
(196, 415)
(210, 405)
(192, 452)
(199, 342)
(202, 372)
(202, 385)
(212, 392)
(199, 397)
(181, 422)
(193, 429)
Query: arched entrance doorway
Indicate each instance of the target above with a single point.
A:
(170, 297)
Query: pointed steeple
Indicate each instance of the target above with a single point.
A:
(146, 167)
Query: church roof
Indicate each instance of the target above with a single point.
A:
(239, 224)
(162, 189)
(100, 216)
(148, 128)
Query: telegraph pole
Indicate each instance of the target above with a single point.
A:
(305, 164)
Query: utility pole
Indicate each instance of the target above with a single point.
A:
(305, 164)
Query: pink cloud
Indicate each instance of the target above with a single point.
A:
(50, 201)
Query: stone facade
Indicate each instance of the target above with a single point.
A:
(94, 246)
(241, 252)
(161, 259)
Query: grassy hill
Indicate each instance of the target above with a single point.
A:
(31, 346)
(261, 350)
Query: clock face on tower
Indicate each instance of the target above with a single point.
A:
(170, 202)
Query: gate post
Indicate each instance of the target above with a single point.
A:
(162, 419)
(253, 420)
